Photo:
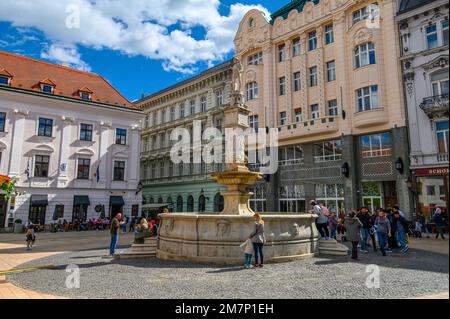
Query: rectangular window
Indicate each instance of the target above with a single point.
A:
(298, 115)
(155, 118)
(172, 114)
(41, 163)
(252, 91)
(163, 116)
(219, 98)
(332, 108)
(360, 14)
(203, 104)
(315, 111)
(442, 137)
(2, 121)
(328, 151)
(182, 111)
(439, 83)
(47, 88)
(121, 136)
(332, 195)
(313, 76)
(312, 40)
(365, 55)
(85, 96)
(283, 118)
(432, 36)
(376, 145)
(86, 132)
(329, 34)
(296, 47)
(59, 211)
(331, 71)
(192, 107)
(297, 82)
(45, 127)
(253, 122)
(367, 98)
(154, 145)
(290, 155)
(255, 59)
(119, 171)
(282, 85)
(281, 53)
(84, 166)
(4, 80)
(444, 26)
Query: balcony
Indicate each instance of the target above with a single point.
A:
(372, 117)
(429, 159)
(323, 125)
(435, 106)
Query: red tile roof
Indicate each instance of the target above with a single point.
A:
(27, 73)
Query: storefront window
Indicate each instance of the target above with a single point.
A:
(432, 194)
(292, 199)
(332, 195)
(372, 195)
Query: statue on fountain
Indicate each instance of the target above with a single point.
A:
(237, 94)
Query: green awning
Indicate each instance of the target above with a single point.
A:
(39, 200)
(116, 201)
(81, 200)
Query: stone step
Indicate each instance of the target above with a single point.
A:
(328, 243)
(151, 245)
(337, 250)
(143, 250)
(136, 254)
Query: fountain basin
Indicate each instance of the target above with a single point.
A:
(202, 238)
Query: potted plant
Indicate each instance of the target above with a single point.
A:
(18, 227)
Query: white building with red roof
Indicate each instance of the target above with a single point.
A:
(70, 140)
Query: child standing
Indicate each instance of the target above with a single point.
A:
(332, 225)
(248, 254)
(31, 237)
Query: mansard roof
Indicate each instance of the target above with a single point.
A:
(294, 5)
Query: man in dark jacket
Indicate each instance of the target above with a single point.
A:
(365, 219)
(399, 227)
(439, 221)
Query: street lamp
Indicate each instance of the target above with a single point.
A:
(345, 169)
(399, 166)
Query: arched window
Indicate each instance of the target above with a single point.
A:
(160, 200)
(201, 204)
(179, 204)
(170, 202)
(218, 203)
(365, 54)
(190, 204)
(251, 23)
(151, 200)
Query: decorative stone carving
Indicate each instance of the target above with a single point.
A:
(439, 62)
(308, 11)
(250, 76)
(169, 226)
(223, 228)
(339, 17)
(363, 35)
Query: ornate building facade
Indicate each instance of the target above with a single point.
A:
(423, 27)
(69, 140)
(326, 74)
(185, 187)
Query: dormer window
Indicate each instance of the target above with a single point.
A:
(85, 93)
(47, 88)
(4, 80)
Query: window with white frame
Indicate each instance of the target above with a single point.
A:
(281, 53)
(439, 83)
(367, 98)
(283, 118)
(83, 170)
(162, 169)
(154, 142)
(203, 104)
(172, 114)
(292, 199)
(291, 155)
(313, 76)
(315, 114)
(329, 34)
(282, 86)
(4, 80)
(332, 195)
(192, 107)
(47, 88)
(45, 127)
(153, 170)
(444, 27)
(255, 59)
(170, 168)
(219, 98)
(2, 121)
(442, 137)
(119, 171)
(432, 36)
(298, 115)
(376, 145)
(258, 201)
(182, 111)
(253, 122)
(121, 136)
(312, 40)
(332, 108)
(365, 54)
(163, 116)
(331, 71)
(252, 91)
(296, 47)
(369, 12)
(328, 151)
(297, 81)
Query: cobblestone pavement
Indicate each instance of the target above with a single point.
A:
(423, 272)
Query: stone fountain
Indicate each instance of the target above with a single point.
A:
(215, 238)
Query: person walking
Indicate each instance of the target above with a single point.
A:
(373, 230)
(114, 231)
(439, 221)
(364, 218)
(353, 226)
(30, 237)
(399, 227)
(332, 225)
(258, 239)
(321, 221)
(383, 231)
(424, 224)
(132, 223)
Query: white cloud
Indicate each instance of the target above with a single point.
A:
(67, 55)
(157, 29)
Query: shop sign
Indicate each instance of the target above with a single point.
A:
(432, 171)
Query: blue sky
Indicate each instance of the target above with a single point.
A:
(139, 46)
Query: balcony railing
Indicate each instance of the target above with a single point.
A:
(429, 159)
(435, 105)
